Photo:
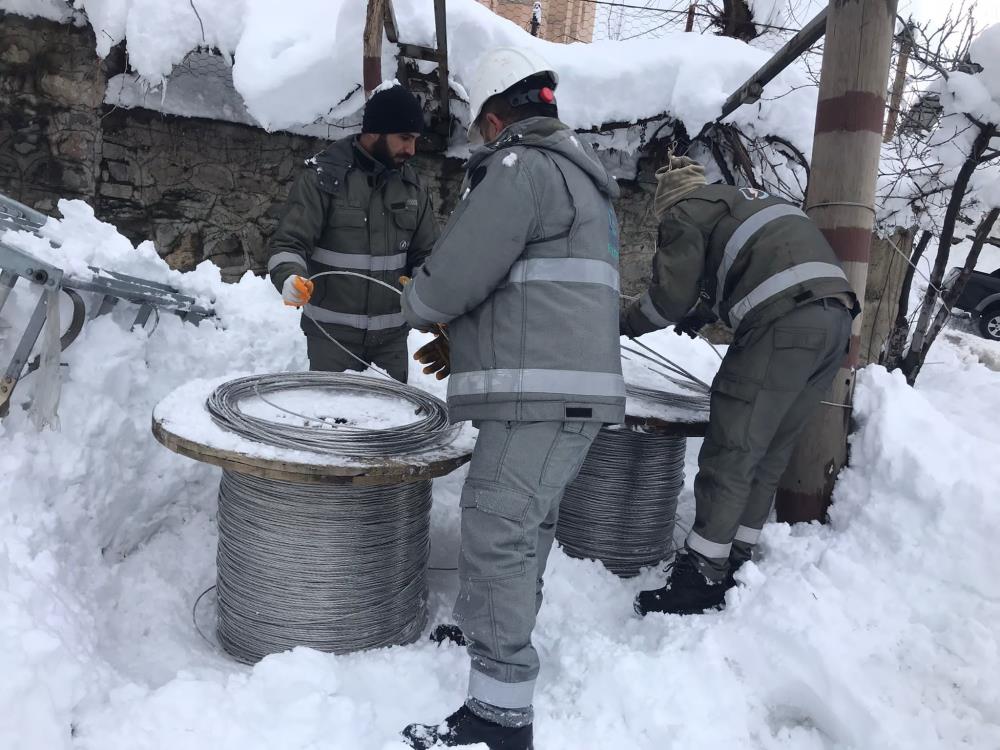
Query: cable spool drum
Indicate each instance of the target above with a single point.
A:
(620, 509)
(327, 550)
(336, 567)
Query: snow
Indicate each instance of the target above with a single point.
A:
(182, 413)
(918, 172)
(53, 10)
(297, 64)
(510, 159)
(976, 95)
(877, 630)
(697, 357)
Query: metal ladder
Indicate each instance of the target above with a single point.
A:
(112, 287)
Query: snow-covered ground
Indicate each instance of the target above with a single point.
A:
(876, 631)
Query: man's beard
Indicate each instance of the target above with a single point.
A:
(380, 150)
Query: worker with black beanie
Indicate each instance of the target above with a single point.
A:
(357, 207)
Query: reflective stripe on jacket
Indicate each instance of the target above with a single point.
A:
(753, 256)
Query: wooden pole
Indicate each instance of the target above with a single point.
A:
(389, 19)
(690, 22)
(896, 100)
(441, 28)
(849, 119)
(886, 274)
(371, 69)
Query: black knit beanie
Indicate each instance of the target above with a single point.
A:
(393, 110)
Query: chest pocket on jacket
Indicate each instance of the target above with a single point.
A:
(346, 230)
(404, 222)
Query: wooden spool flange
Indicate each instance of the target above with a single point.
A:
(184, 428)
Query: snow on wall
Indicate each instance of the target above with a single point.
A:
(53, 10)
(300, 60)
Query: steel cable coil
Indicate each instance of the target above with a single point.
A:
(338, 567)
(335, 567)
(429, 431)
(620, 508)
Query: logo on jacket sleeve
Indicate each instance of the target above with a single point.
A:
(753, 194)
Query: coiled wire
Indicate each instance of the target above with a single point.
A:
(335, 567)
(620, 508)
(430, 431)
(695, 401)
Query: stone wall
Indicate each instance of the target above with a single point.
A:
(200, 189)
(51, 94)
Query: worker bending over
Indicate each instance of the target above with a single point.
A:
(762, 267)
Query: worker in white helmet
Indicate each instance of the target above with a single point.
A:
(525, 275)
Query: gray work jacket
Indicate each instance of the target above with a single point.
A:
(753, 256)
(525, 274)
(348, 212)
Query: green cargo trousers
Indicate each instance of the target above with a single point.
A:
(510, 505)
(326, 356)
(771, 381)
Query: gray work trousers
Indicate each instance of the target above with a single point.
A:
(510, 505)
(326, 356)
(771, 381)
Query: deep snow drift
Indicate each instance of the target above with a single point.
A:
(877, 631)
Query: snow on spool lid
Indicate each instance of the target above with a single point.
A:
(183, 424)
(319, 407)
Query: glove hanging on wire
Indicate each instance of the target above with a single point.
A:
(436, 355)
(296, 290)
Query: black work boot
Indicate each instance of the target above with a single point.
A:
(449, 632)
(464, 728)
(687, 592)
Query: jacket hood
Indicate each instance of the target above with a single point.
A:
(674, 182)
(552, 135)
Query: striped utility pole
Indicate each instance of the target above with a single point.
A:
(845, 158)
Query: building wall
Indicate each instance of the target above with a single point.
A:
(562, 20)
(199, 189)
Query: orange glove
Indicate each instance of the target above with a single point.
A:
(436, 354)
(296, 290)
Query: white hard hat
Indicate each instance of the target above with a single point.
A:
(498, 71)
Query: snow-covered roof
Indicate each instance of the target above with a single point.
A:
(298, 64)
